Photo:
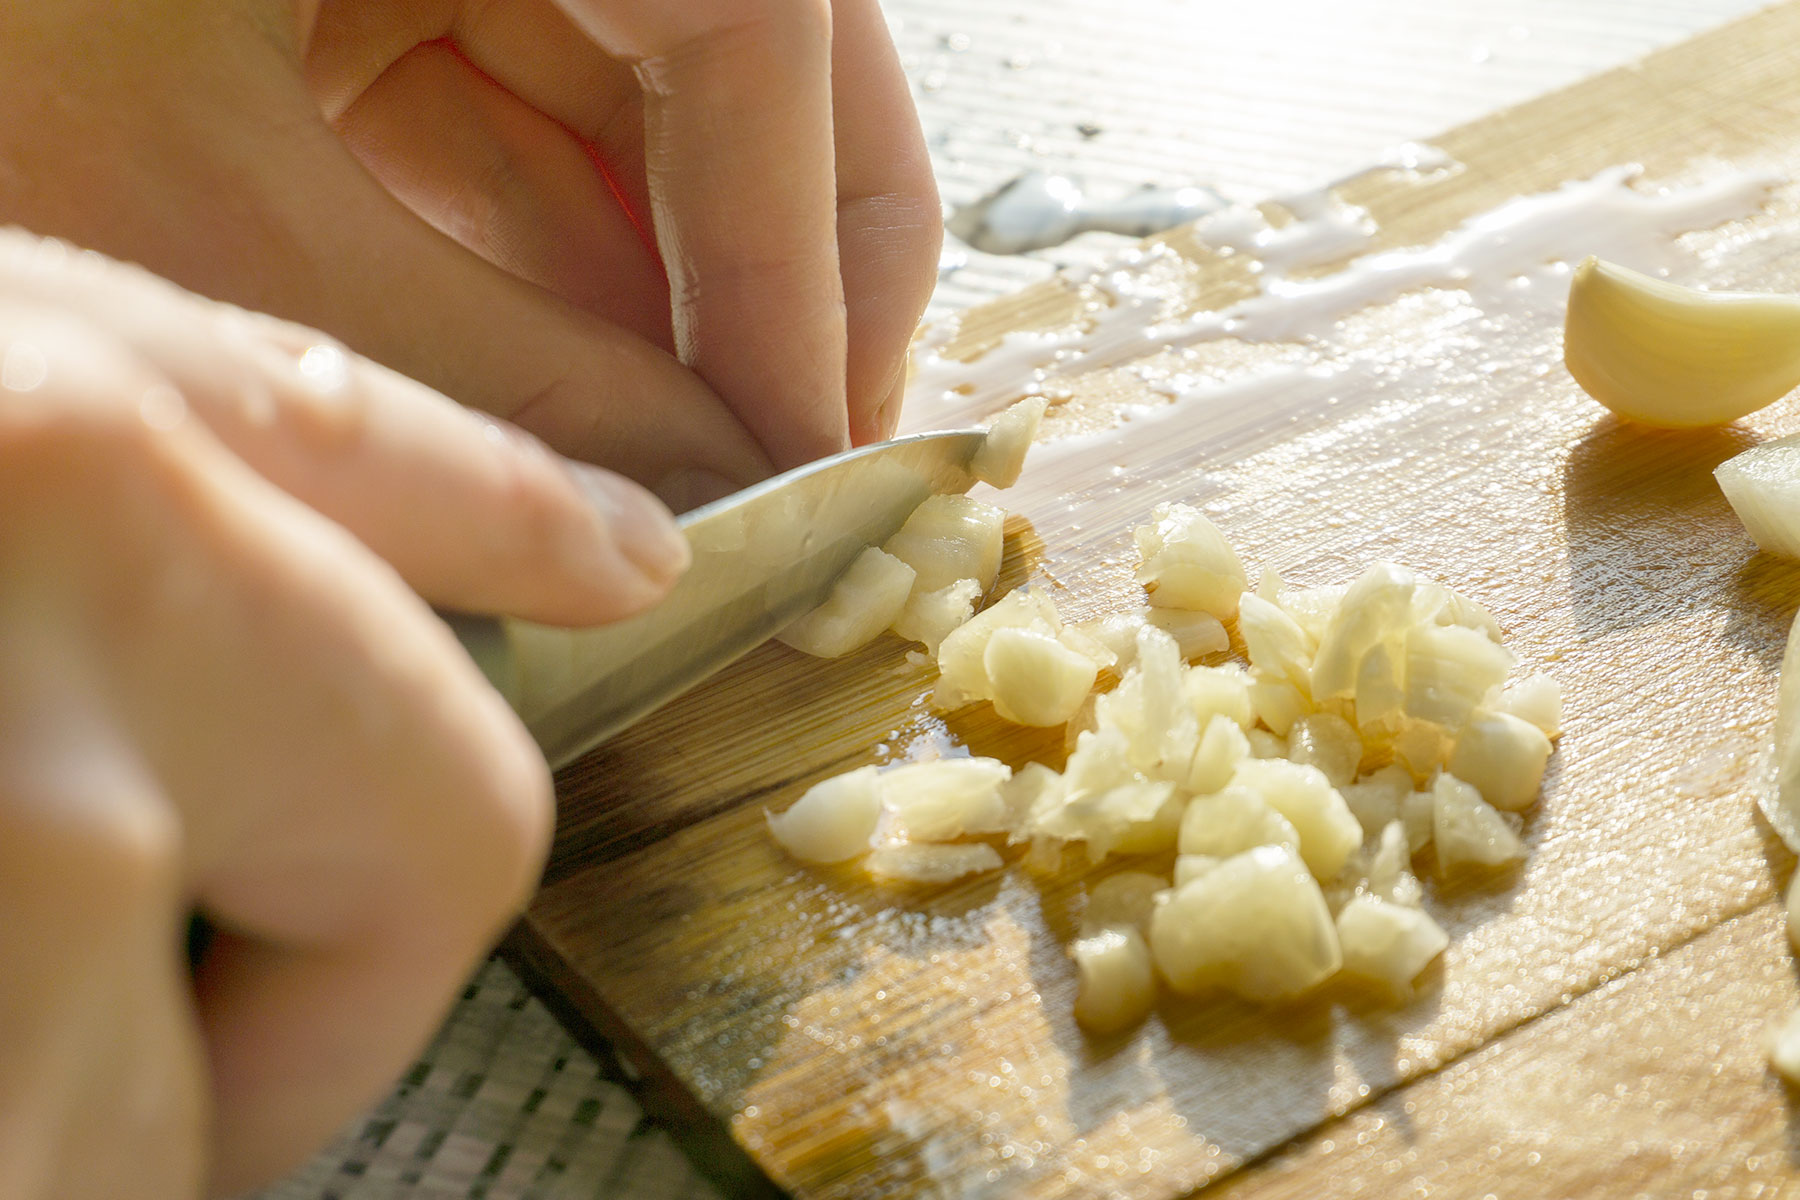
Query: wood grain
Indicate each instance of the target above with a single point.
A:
(858, 1042)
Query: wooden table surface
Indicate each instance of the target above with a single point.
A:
(1594, 1028)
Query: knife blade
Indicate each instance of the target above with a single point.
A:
(761, 558)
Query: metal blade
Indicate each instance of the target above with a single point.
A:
(762, 558)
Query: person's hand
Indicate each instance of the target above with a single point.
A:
(216, 697)
(765, 150)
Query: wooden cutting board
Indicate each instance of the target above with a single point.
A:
(1595, 1028)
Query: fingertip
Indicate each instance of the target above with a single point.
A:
(636, 524)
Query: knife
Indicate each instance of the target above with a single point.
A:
(761, 558)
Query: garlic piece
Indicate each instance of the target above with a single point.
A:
(1375, 608)
(833, 820)
(1388, 942)
(941, 800)
(948, 538)
(1503, 757)
(929, 617)
(1197, 634)
(1449, 669)
(1535, 698)
(1256, 924)
(1187, 563)
(1275, 642)
(1127, 898)
(1033, 679)
(1662, 354)
(1002, 455)
(1222, 691)
(1328, 833)
(1781, 804)
(1784, 1047)
(1375, 799)
(929, 864)
(1115, 981)
(1793, 910)
(864, 602)
(1467, 830)
(1763, 485)
(1232, 821)
(1222, 747)
(1328, 742)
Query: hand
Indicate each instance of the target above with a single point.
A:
(767, 149)
(216, 696)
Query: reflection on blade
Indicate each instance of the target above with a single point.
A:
(762, 557)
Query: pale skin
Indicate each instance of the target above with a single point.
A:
(222, 688)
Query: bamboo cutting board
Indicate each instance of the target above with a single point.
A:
(1594, 1029)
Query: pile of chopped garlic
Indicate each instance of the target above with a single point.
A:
(1375, 723)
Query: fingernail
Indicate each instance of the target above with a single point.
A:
(689, 488)
(642, 529)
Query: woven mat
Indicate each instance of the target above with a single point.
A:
(1251, 100)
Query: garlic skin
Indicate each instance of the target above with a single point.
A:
(1763, 486)
(1662, 354)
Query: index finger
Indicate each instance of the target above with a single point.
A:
(743, 190)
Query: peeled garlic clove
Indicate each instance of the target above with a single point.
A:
(1467, 830)
(1187, 563)
(864, 602)
(833, 820)
(1763, 485)
(1388, 942)
(948, 538)
(1256, 924)
(1662, 354)
(1033, 679)
(928, 864)
(1002, 456)
(1503, 757)
(1115, 982)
